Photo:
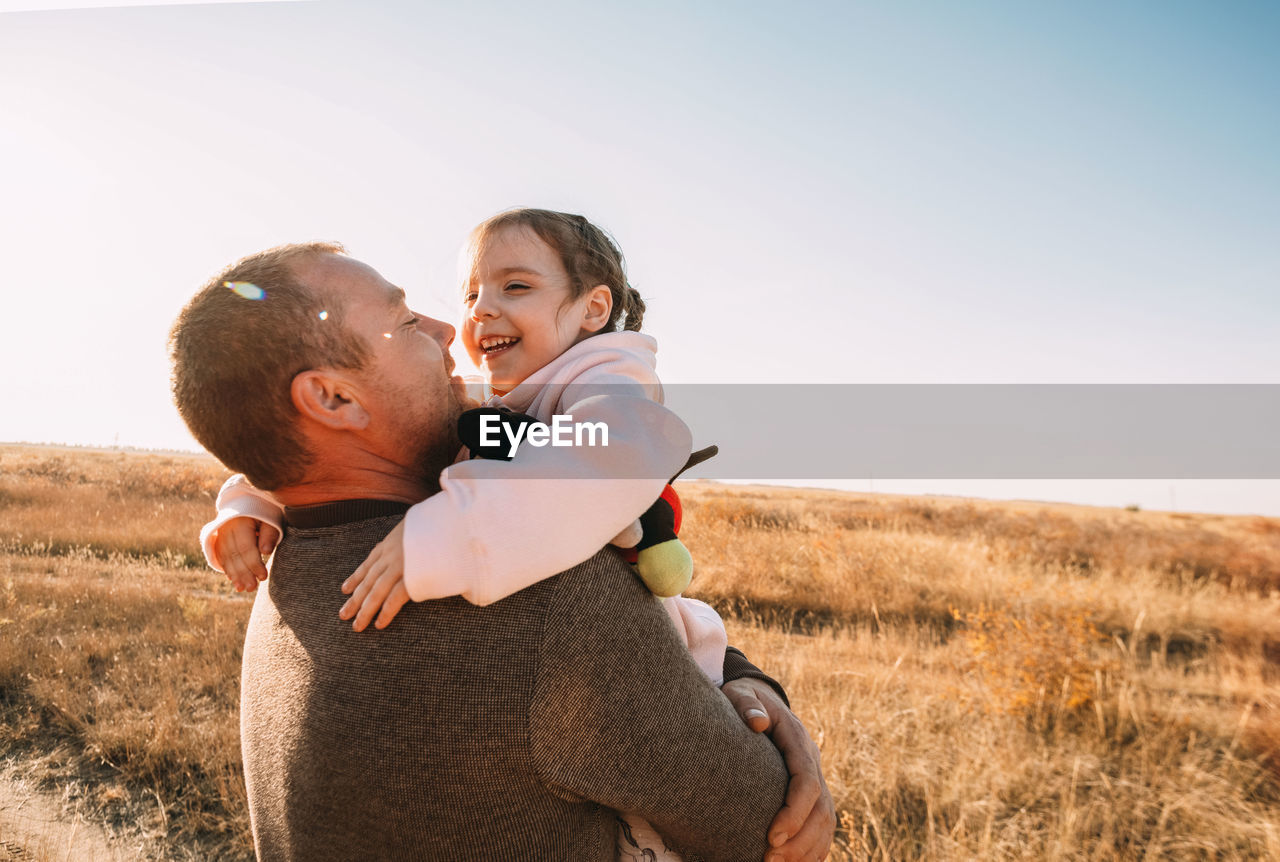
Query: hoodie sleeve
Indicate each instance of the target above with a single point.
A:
(238, 499)
(497, 527)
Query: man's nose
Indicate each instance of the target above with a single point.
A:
(437, 329)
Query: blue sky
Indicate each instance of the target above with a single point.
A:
(822, 192)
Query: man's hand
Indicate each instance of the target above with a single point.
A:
(377, 584)
(240, 544)
(806, 824)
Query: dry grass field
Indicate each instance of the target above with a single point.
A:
(986, 680)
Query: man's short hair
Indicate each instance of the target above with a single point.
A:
(235, 350)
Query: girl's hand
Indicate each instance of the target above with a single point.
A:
(240, 545)
(378, 583)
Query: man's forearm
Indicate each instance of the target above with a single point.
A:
(622, 716)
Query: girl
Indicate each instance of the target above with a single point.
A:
(553, 324)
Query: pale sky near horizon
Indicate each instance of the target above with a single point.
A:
(833, 192)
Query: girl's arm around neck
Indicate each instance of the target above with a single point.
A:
(497, 527)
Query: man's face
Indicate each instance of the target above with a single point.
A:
(410, 391)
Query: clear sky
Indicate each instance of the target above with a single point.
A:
(827, 192)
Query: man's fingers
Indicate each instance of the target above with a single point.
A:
(748, 707)
(757, 719)
(805, 788)
(813, 841)
(395, 601)
(803, 792)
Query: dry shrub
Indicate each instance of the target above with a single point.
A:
(180, 480)
(39, 464)
(1045, 657)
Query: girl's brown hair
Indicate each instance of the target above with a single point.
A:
(590, 257)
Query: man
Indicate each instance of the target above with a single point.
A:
(512, 731)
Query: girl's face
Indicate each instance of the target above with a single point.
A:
(518, 314)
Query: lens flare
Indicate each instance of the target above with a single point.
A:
(247, 289)
(324, 315)
(386, 335)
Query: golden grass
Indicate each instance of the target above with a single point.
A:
(124, 676)
(127, 503)
(995, 681)
(986, 680)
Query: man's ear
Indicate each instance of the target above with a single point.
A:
(329, 398)
(598, 307)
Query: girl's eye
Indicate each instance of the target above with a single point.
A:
(469, 298)
(515, 285)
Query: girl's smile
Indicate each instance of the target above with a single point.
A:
(493, 344)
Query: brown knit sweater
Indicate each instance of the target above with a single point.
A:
(483, 733)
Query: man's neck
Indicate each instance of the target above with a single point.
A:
(358, 484)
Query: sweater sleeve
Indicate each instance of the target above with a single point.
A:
(496, 527)
(623, 717)
(238, 499)
(738, 666)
